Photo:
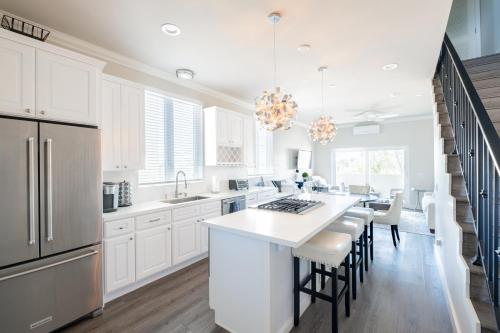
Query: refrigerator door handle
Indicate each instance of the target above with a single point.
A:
(31, 176)
(50, 232)
(8, 277)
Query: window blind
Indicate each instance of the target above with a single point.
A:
(173, 139)
(264, 151)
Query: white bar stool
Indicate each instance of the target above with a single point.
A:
(355, 227)
(326, 248)
(367, 215)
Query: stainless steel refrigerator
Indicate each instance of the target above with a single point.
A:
(50, 224)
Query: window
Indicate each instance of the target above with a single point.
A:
(173, 139)
(383, 169)
(263, 152)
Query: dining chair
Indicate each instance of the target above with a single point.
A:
(359, 189)
(391, 216)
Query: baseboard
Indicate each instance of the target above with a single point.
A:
(141, 283)
(444, 283)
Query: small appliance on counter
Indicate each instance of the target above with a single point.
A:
(124, 194)
(109, 197)
(277, 184)
(238, 184)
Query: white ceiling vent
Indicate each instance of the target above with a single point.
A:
(366, 129)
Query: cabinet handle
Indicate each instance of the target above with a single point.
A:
(125, 166)
(120, 228)
(169, 228)
(27, 110)
(131, 238)
(155, 220)
(118, 167)
(31, 176)
(50, 234)
(42, 112)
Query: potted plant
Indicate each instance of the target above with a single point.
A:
(305, 176)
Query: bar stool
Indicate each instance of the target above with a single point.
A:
(366, 214)
(355, 227)
(327, 248)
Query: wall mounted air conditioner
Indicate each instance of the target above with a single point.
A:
(366, 129)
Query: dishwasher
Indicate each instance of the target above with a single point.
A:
(232, 205)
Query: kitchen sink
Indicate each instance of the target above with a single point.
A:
(186, 199)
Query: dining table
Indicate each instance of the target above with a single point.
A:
(364, 199)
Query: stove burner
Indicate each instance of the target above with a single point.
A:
(290, 205)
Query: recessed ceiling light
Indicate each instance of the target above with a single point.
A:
(418, 95)
(303, 48)
(393, 95)
(184, 73)
(332, 85)
(170, 29)
(389, 67)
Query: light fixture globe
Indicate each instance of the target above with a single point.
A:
(274, 111)
(323, 130)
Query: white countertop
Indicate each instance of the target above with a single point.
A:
(155, 206)
(284, 228)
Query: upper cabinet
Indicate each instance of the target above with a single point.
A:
(122, 123)
(17, 78)
(40, 80)
(249, 141)
(224, 136)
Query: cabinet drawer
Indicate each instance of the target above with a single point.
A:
(118, 227)
(251, 199)
(211, 207)
(152, 220)
(185, 212)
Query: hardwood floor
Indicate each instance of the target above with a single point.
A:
(401, 293)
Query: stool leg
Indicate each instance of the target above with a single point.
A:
(296, 291)
(371, 241)
(322, 277)
(365, 235)
(361, 254)
(393, 232)
(348, 290)
(335, 305)
(313, 281)
(354, 264)
(397, 232)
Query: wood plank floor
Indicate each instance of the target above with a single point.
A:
(401, 293)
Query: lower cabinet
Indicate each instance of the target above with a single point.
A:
(153, 250)
(185, 240)
(119, 262)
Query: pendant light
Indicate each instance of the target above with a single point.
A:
(272, 110)
(323, 130)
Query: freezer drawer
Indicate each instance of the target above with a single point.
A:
(49, 293)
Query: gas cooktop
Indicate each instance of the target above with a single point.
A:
(291, 205)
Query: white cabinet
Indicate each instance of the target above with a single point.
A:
(119, 261)
(249, 142)
(153, 251)
(224, 136)
(66, 88)
(203, 231)
(41, 80)
(122, 122)
(185, 240)
(17, 78)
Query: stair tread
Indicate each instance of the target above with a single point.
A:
(461, 198)
(484, 75)
(483, 67)
(486, 315)
(468, 228)
(482, 60)
(473, 268)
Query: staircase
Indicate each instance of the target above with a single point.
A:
(478, 288)
(467, 97)
(485, 75)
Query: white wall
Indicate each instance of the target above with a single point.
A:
(414, 136)
(286, 145)
(490, 27)
(463, 28)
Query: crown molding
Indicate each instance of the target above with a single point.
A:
(415, 117)
(76, 44)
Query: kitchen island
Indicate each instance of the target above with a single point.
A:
(251, 273)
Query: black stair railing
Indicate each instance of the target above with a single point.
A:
(478, 146)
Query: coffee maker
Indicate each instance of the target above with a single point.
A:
(109, 197)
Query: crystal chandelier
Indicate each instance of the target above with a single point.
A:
(323, 130)
(272, 110)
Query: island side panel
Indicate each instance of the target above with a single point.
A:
(240, 282)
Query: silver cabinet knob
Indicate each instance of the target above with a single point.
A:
(125, 166)
(42, 112)
(169, 228)
(131, 238)
(118, 167)
(27, 110)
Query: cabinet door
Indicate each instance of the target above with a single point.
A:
(110, 126)
(223, 130)
(249, 142)
(154, 251)
(185, 240)
(203, 232)
(66, 89)
(132, 128)
(236, 128)
(119, 256)
(17, 78)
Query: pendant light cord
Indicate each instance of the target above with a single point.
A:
(274, 52)
(322, 91)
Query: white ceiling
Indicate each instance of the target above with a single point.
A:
(228, 43)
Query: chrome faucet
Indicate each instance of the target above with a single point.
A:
(177, 184)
